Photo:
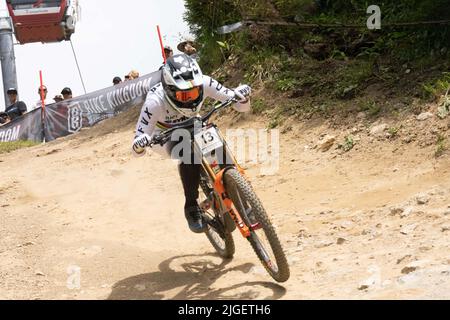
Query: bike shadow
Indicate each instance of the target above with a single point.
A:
(194, 280)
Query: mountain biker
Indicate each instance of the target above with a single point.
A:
(179, 96)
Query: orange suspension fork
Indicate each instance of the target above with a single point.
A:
(220, 189)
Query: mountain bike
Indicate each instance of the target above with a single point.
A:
(227, 199)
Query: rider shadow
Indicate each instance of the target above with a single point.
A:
(194, 282)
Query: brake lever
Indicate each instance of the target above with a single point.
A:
(159, 139)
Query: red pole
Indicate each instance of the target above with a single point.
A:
(162, 45)
(42, 91)
(43, 105)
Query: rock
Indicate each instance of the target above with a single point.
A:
(425, 116)
(40, 273)
(422, 199)
(396, 210)
(408, 228)
(323, 244)
(363, 286)
(378, 130)
(341, 241)
(408, 270)
(326, 143)
(445, 228)
(408, 211)
(26, 244)
(414, 266)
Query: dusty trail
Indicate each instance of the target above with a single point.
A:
(85, 202)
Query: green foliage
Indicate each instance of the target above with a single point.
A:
(434, 89)
(352, 77)
(259, 105)
(348, 144)
(372, 108)
(7, 147)
(286, 84)
(393, 131)
(337, 63)
(441, 146)
(205, 16)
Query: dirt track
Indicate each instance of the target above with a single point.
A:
(85, 202)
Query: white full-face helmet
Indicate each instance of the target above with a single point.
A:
(182, 81)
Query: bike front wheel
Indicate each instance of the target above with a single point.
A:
(263, 237)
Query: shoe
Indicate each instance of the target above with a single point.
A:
(195, 219)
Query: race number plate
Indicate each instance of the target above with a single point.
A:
(208, 140)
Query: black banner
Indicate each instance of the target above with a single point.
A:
(28, 127)
(70, 116)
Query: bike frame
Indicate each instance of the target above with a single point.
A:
(219, 188)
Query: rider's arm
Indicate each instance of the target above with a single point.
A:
(150, 113)
(217, 91)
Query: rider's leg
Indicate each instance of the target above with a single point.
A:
(189, 169)
(190, 178)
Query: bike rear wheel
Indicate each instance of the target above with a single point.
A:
(220, 238)
(263, 237)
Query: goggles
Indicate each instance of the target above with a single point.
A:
(188, 95)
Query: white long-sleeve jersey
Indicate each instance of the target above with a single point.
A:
(157, 114)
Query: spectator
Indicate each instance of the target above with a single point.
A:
(188, 46)
(39, 102)
(133, 74)
(67, 93)
(4, 118)
(58, 98)
(127, 77)
(17, 108)
(117, 81)
(168, 52)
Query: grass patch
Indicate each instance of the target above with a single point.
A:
(348, 144)
(259, 105)
(441, 146)
(434, 89)
(7, 147)
(372, 108)
(394, 131)
(352, 77)
(286, 84)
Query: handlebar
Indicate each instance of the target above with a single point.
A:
(164, 137)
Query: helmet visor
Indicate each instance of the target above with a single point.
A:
(188, 95)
